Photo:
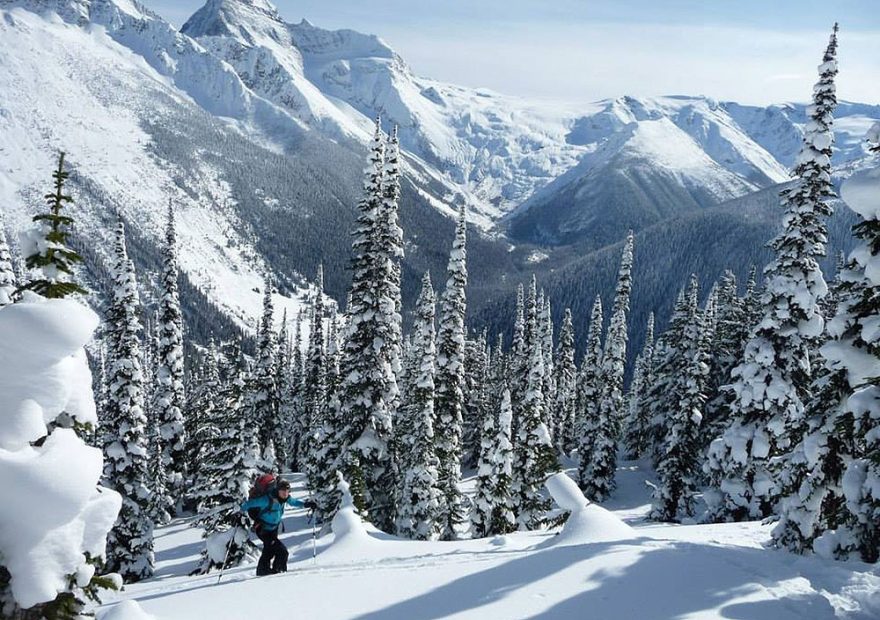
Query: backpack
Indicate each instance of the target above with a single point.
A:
(263, 485)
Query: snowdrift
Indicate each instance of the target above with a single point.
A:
(588, 523)
(351, 541)
(126, 610)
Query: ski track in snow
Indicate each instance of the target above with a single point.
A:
(664, 572)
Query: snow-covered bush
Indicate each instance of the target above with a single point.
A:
(54, 518)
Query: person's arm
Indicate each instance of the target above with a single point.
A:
(257, 502)
(292, 501)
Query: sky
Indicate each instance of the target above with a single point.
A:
(751, 51)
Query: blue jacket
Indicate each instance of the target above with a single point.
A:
(271, 508)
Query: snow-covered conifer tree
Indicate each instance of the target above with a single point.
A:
(566, 387)
(55, 518)
(638, 421)
(678, 464)
(494, 502)
(727, 343)
(589, 388)
(229, 462)
(361, 424)
(169, 398)
(417, 509)
(600, 481)
(263, 393)
(545, 333)
(475, 398)
(287, 397)
(202, 419)
(481, 513)
(449, 399)
(534, 454)
(831, 499)
(771, 384)
(333, 350)
(296, 397)
(389, 245)
(126, 467)
(314, 387)
(518, 358)
(46, 248)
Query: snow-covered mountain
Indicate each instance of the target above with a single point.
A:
(68, 85)
(256, 127)
(496, 150)
(653, 158)
(148, 115)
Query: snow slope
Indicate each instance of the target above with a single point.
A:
(238, 60)
(653, 158)
(496, 150)
(648, 572)
(98, 118)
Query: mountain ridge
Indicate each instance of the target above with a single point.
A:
(268, 164)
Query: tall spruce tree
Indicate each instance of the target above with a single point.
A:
(637, 438)
(126, 466)
(46, 248)
(315, 384)
(417, 511)
(294, 398)
(727, 344)
(600, 478)
(449, 399)
(772, 382)
(203, 420)
(566, 387)
(475, 398)
(589, 390)
(518, 359)
(169, 400)
(362, 420)
(678, 466)
(534, 455)
(285, 396)
(493, 511)
(262, 391)
(388, 276)
(229, 464)
(545, 333)
(831, 501)
(659, 398)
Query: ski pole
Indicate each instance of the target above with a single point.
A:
(226, 557)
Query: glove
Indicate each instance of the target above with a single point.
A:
(310, 504)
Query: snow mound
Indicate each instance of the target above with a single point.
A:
(588, 523)
(350, 538)
(126, 610)
(43, 374)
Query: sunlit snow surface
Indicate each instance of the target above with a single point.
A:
(649, 572)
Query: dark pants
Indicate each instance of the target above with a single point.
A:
(274, 556)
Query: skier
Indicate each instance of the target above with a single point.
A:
(270, 507)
